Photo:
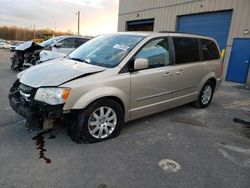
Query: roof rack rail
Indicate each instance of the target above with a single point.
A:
(167, 32)
(183, 33)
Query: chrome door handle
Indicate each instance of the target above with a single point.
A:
(179, 72)
(246, 61)
(167, 74)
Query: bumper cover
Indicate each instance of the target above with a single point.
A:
(30, 108)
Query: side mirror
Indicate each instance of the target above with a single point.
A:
(140, 63)
(58, 45)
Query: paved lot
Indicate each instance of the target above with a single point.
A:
(209, 149)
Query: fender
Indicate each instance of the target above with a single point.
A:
(101, 92)
(205, 79)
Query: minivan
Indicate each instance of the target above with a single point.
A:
(116, 78)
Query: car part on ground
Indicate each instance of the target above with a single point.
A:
(116, 78)
(243, 122)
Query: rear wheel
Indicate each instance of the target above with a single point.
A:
(100, 121)
(206, 95)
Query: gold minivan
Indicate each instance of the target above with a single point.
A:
(116, 78)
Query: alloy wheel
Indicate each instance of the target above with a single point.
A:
(102, 122)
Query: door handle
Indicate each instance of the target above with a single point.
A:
(246, 61)
(179, 72)
(168, 74)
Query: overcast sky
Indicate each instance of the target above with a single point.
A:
(97, 16)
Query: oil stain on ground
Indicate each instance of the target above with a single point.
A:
(40, 143)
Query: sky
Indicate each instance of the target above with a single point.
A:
(97, 16)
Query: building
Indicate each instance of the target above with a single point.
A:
(228, 21)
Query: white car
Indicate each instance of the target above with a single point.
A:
(4, 44)
(60, 47)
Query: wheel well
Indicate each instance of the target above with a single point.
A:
(213, 80)
(118, 100)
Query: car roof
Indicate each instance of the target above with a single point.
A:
(166, 33)
(74, 36)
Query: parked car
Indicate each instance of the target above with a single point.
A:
(5, 44)
(116, 78)
(1, 44)
(62, 47)
(28, 53)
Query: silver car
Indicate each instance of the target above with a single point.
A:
(60, 46)
(116, 78)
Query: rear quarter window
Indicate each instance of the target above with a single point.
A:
(209, 50)
(186, 50)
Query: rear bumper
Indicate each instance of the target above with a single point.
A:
(218, 83)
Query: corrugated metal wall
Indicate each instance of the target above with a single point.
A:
(166, 12)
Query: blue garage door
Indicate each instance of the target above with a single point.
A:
(239, 61)
(215, 25)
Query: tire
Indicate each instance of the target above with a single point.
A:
(206, 95)
(87, 124)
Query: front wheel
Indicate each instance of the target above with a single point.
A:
(206, 95)
(100, 121)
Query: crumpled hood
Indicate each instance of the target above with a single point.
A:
(56, 72)
(29, 44)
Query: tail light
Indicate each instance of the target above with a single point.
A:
(222, 55)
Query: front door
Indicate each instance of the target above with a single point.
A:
(239, 61)
(152, 86)
(67, 46)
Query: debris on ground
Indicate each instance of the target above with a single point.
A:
(243, 122)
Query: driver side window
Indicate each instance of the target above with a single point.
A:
(156, 52)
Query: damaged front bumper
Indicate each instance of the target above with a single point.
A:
(21, 99)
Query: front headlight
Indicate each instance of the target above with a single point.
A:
(52, 96)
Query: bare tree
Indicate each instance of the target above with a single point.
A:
(23, 34)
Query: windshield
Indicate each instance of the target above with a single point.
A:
(106, 50)
(50, 41)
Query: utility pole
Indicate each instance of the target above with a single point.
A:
(34, 32)
(78, 22)
(54, 19)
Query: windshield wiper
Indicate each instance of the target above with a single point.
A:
(77, 59)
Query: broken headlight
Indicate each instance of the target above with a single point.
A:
(52, 96)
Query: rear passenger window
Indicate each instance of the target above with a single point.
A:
(157, 53)
(186, 50)
(209, 50)
(80, 41)
(68, 43)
